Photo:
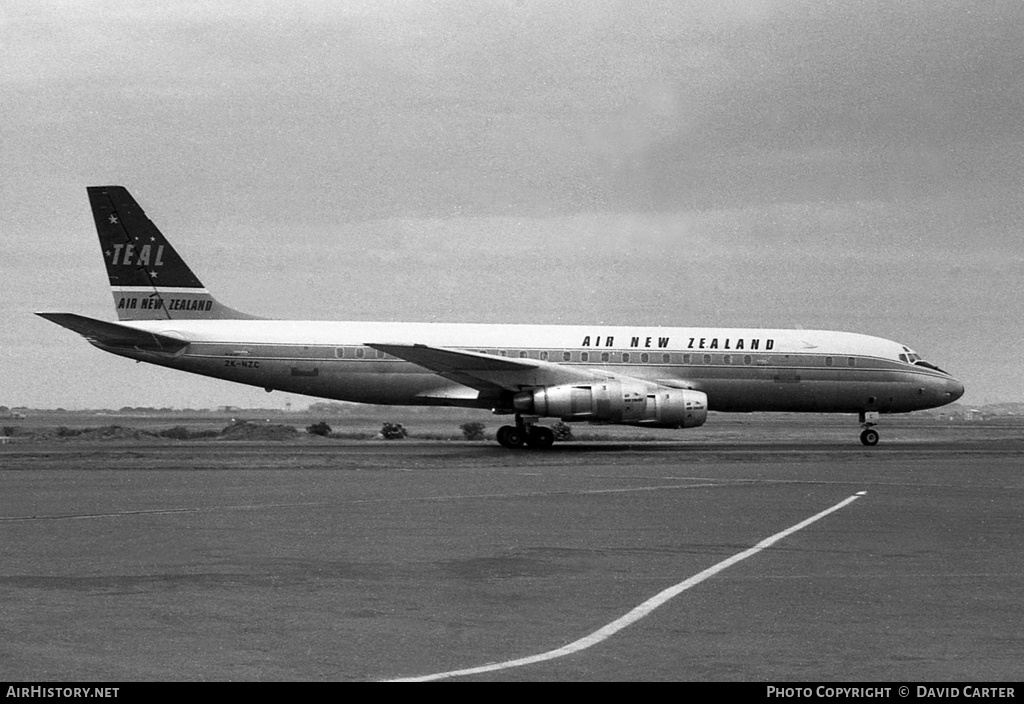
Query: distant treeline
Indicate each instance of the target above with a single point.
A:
(331, 409)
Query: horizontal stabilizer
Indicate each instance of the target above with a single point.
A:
(115, 335)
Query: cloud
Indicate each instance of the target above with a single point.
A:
(451, 107)
(700, 161)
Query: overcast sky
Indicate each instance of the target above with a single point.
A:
(839, 165)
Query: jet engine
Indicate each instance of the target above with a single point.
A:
(616, 401)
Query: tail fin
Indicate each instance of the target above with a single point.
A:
(147, 277)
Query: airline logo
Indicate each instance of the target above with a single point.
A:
(609, 341)
(693, 343)
(176, 303)
(140, 261)
(135, 255)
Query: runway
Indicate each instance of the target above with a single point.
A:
(354, 561)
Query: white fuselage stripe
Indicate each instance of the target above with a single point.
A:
(640, 611)
(158, 289)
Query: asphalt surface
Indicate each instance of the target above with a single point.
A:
(352, 561)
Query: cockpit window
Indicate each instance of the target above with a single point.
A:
(912, 357)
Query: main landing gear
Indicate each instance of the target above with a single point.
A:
(536, 437)
(869, 436)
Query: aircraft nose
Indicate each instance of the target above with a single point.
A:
(941, 390)
(955, 390)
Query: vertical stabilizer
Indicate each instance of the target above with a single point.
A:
(147, 277)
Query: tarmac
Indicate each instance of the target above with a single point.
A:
(368, 561)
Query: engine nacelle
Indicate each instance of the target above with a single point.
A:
(615, 401)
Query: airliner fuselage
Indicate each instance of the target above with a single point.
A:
(740, 370)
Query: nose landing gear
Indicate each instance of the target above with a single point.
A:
(869, 436)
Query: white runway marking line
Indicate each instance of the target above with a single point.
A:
(640, 611)
(355, 502)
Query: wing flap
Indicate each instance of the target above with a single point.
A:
(675, 383)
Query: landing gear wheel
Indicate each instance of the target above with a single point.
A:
(869, 437)
(540, 438)
(510, 436)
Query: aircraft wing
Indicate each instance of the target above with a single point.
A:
(487, 372)
(115, 335)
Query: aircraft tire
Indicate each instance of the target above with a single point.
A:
(540, 438)
(869, 437)
(510, 436)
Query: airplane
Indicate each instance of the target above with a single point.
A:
(663, 377)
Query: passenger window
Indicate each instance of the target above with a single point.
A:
(828, 361)
(686, 359)
(645, 358)
(567, 356)
(707, 359)
(851, 362)
(604, 357)
(339, 352)
(625, 356)
(584, 356)
(360, 353)
(544, 356)
(747, 359)
(727, 359)
(666, 358)
(523, 354)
